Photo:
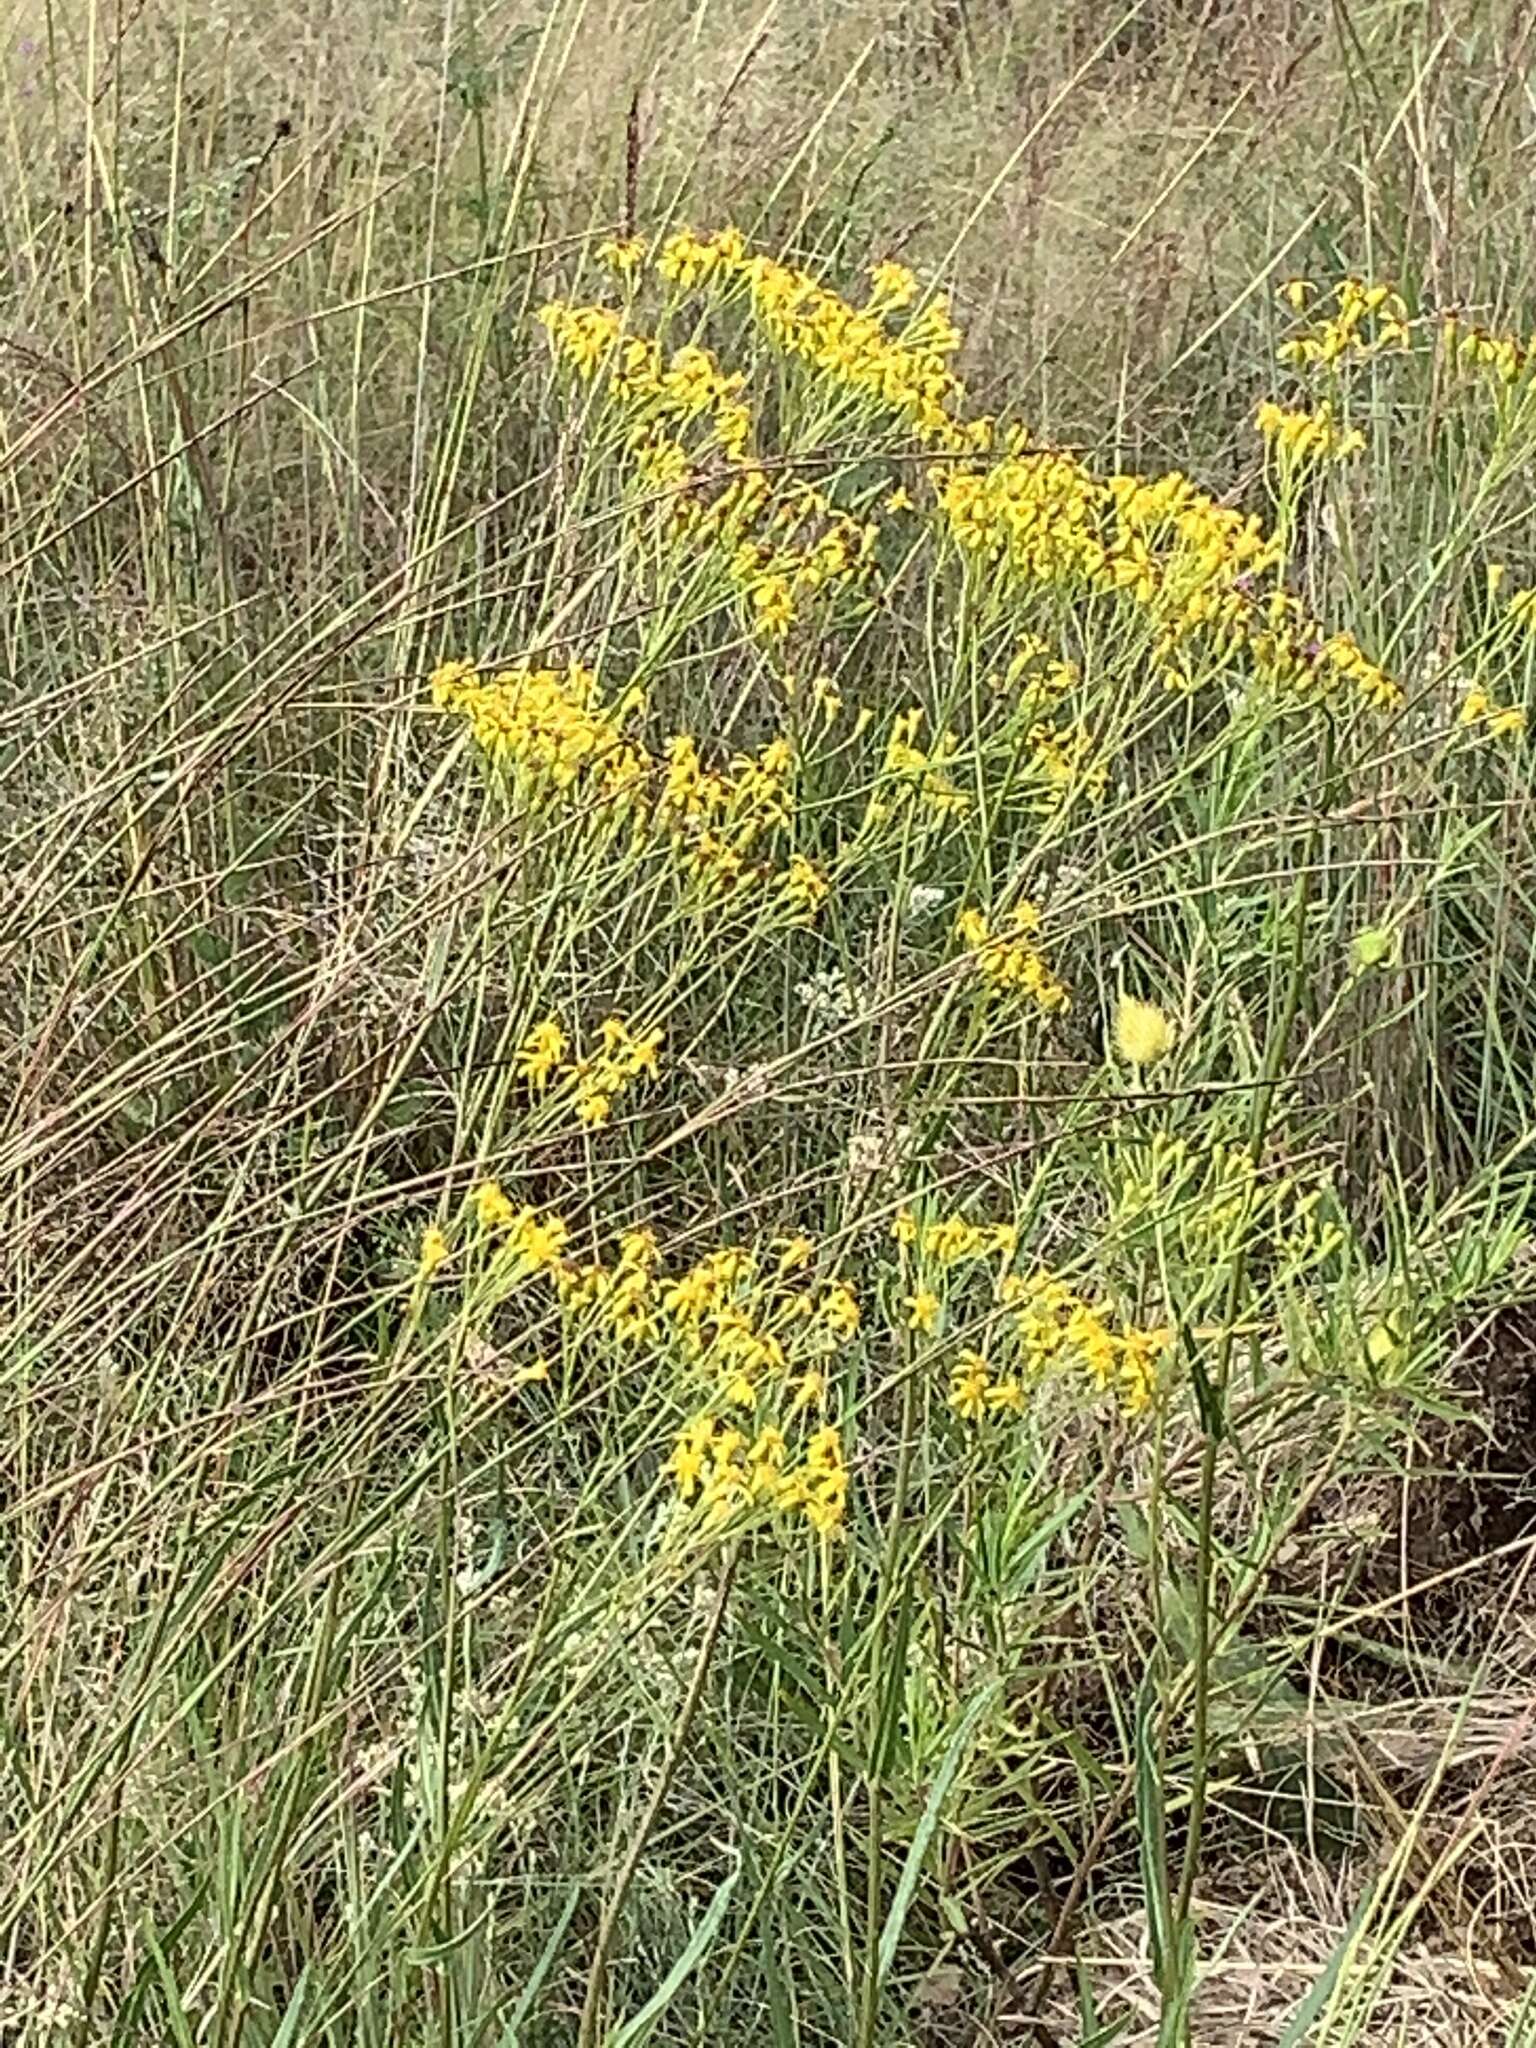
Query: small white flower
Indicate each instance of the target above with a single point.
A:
(877, 1149)
(829, 997)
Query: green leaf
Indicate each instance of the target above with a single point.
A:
(511, 2036)
(288, 2032)
(912, 1870)
(634, 2031)
(1300, 2022)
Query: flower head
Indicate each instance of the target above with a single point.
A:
(541, 1053)
(923, 1311)
(492, 1209)
(1143, 1032)
(970, 1386)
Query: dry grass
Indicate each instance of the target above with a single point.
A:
(337, 1690)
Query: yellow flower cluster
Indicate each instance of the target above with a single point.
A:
(625, 255)
(1502, 360)
(804, 887)
(719, 818)
(807, 546)
(1499, 722)
(1301, 438)
(1345, 324)
(663, 396)
(715, 1462)
(756, 1327)
(976, 1390)
(1192, 567)
(535, 1243)
(1342, 658)
(541, 1053)
(915, 774)
(1065, 761)
(1047, 1326)
(689, 434)
(1201, 1199)
(1036, 672)
(548, 727)
(602, 1078)
(688, 260)
(598, 1080)
(954, 1240)
(1033, 516)
(1057, 1327)
(549, 730)
(623, 1296)
(1007, 958)
(735, 1317)
(907, 375)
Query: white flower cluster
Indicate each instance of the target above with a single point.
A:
(830, 997)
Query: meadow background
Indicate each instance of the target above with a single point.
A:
(890, 1495)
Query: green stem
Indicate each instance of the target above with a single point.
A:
(1258, 1128)
(608, 1926)
(869, 2016)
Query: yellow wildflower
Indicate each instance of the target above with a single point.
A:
(953, 1239)
(1498, 721)
(923, 1311)
(804, 886)
(638, 1249)
(434, 1249)
(826, 699)
(840, 1310)
(1143, 1032)
(1003, 1239)
(892, 285)
(691, 1454)
(1007, 959)
(970, 1385)
(1306, 437)
(824, 1481)
(773, 605)
(492, 1209)
(541, 1053)
(539, 1241)
(1139, 1354)
(624, 255)
(765, 1460)
(594, 1106)
(810, 1391)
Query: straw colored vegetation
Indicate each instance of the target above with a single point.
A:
(769, 1009)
